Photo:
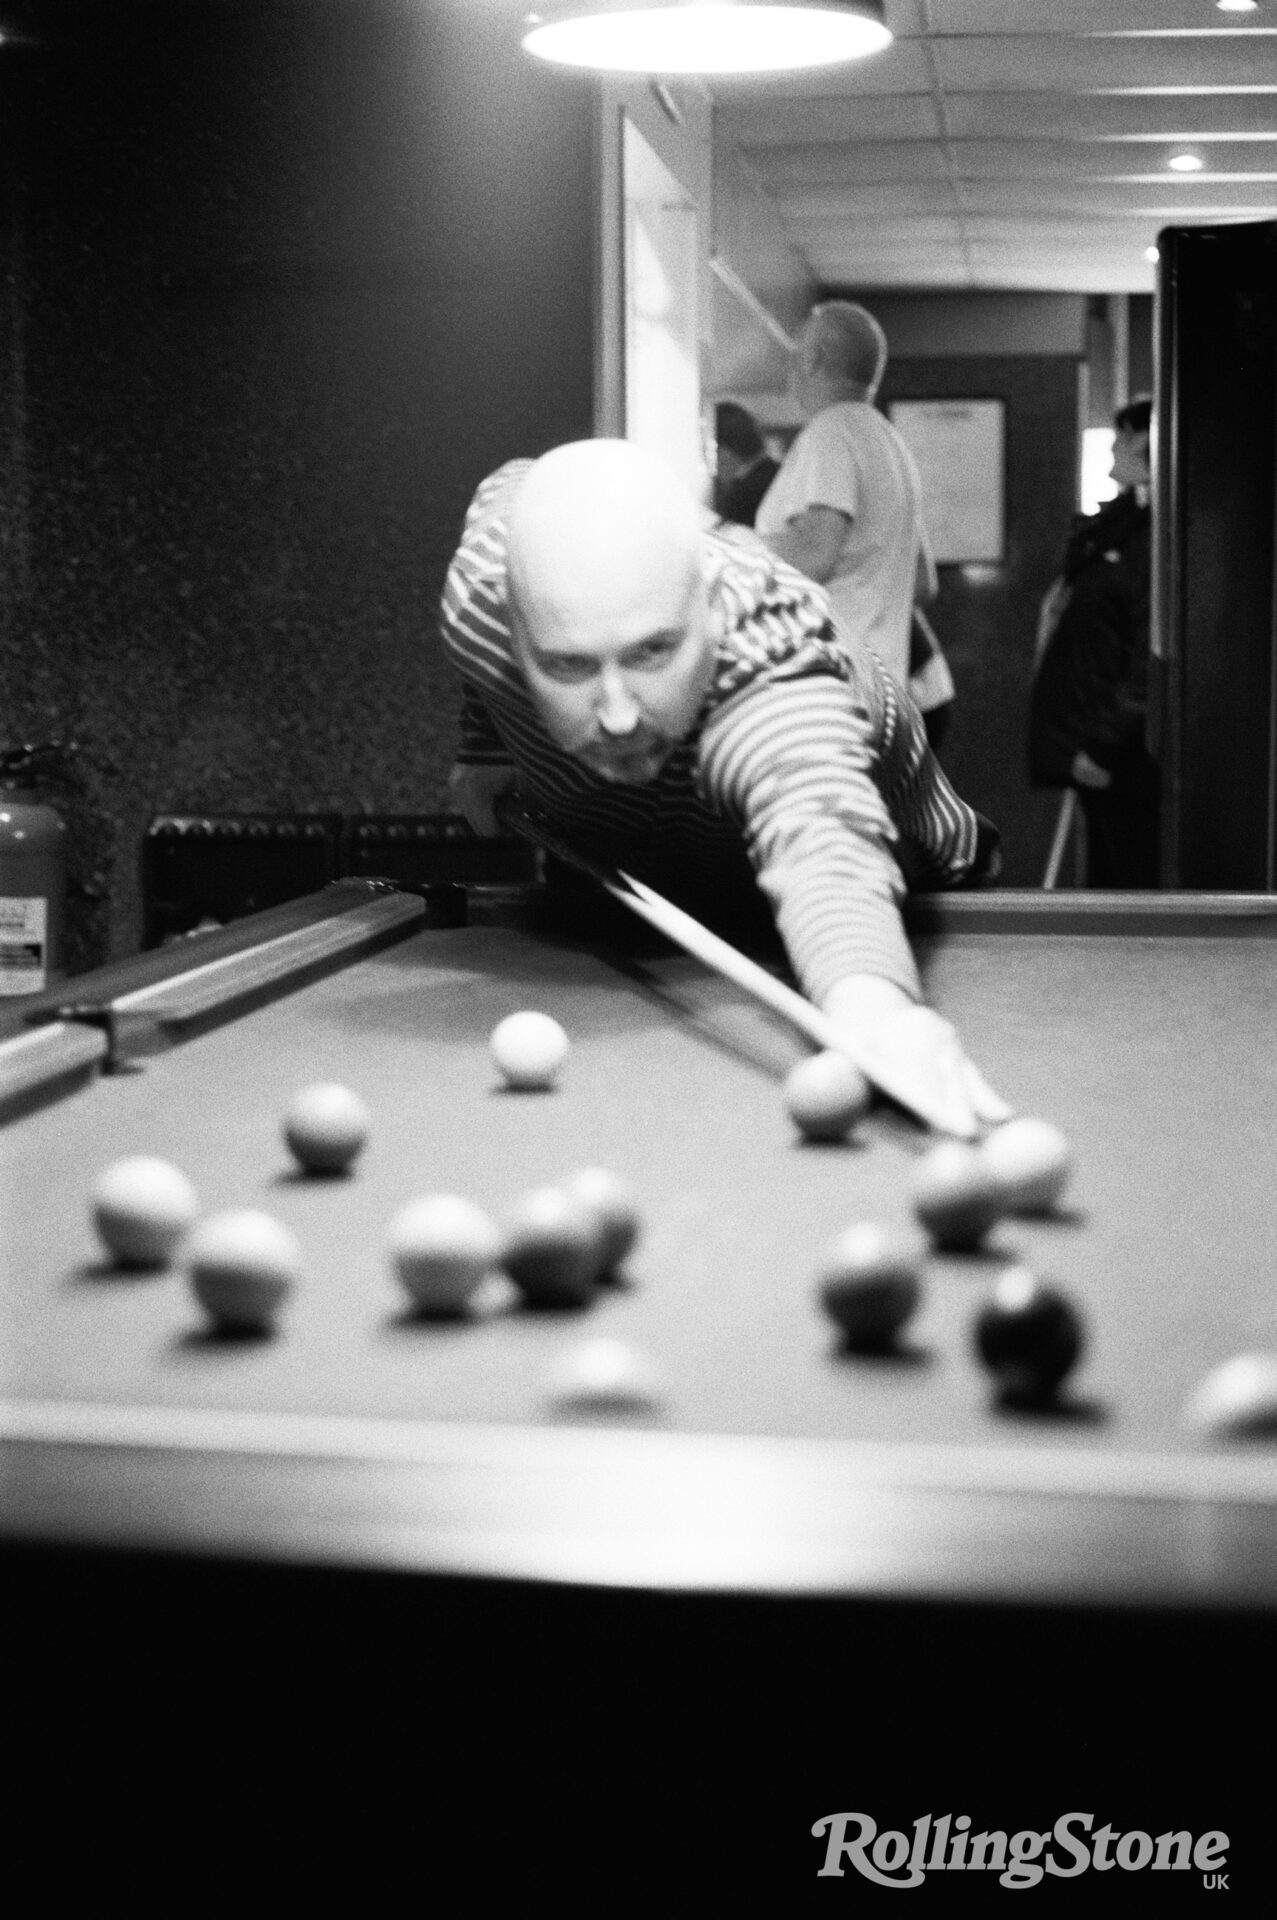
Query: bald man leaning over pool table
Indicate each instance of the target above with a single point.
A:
(666, 693)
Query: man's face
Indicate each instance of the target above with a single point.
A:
(618, 692)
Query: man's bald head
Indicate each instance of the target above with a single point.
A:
(608, 604)
(842, 354)
(601, 531)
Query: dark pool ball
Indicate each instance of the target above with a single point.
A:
(955, 1196)
(1029, 1337)
(615, 1203)
(554, 1249)
(870, 1284)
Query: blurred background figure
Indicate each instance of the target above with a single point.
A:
(744, 469)
(1089, 704)
(846, 506)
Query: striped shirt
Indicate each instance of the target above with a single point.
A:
(805, 752)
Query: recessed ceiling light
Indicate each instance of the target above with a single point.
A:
(1237, 6)
(1186, 163)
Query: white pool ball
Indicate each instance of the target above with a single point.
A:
(605, 1375)
(1031, 1161)
(242, 1266)
(141, 1209)
(825, 1095)
(326, 1127)
(442, 1247)
(1237, 1398)
(529, 1049)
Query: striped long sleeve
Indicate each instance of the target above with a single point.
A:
(793, 762)
(839, 808)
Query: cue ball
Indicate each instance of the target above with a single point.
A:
(1030, 1160)
(141, 1209)
(825, 1095)
(441, 1248)
(607, 1375)
(870, 1284)
(529, 1049)
(1238, 1397)
(326, 1127)
(614, 1203)
(553, 1249)
(955, 1195)
(1028, 1336)
(242, 1267)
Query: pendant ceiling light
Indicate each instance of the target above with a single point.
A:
(706, 36)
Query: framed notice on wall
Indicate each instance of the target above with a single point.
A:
(958, 445)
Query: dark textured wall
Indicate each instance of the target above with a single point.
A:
(282, 280)
(987, 618)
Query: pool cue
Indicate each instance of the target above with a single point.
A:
(1060, 839)
(723, 958)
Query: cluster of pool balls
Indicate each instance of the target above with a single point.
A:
(560, 1244)
(1028, 1334)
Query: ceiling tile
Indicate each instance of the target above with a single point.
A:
(1048, 16)
(1017, 143)
(904, 117)
(1069, 116)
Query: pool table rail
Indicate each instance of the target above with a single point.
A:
(119, 1014)
(597, 1506)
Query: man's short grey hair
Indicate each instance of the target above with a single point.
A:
(852, 344)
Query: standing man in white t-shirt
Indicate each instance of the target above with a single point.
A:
(846, 506)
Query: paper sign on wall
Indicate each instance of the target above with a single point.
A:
(958, 445)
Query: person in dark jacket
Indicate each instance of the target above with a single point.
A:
(1090, 693)
(745, 469)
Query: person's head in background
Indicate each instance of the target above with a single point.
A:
(738, 442)
(1131, 427)
(842, 355)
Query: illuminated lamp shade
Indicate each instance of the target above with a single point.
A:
(706, 36)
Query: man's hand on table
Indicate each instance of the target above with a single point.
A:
(915, 1055)
(474, 791)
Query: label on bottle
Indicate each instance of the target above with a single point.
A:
(24, 945)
